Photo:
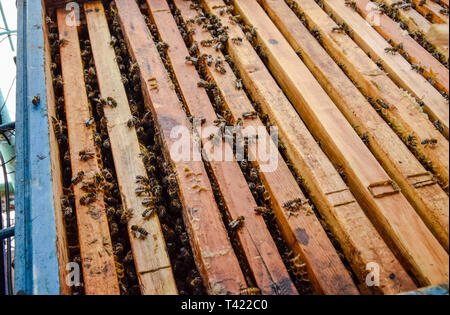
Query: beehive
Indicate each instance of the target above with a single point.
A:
(361, 178)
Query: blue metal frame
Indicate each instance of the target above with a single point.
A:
(6, 233)
(8, 31)
(36, 258)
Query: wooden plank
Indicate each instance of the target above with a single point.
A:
(430, 201)
(212, 249)
(404, 228)
(432, 9)
(150, 255)
(435, 105)
(95, 241)
(261, 251)
(416, 22)
(391, 30)
(361, 238)
(404, 115)
(63, 251)
(438, 34)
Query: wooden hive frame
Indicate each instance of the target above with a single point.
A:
(294, 108)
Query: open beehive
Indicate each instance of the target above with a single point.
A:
(361, 181)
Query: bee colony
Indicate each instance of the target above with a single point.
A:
(362, 171)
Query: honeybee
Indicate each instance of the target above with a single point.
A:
(98, 139)
(36, 100)
(149, 201)
(207, 43)
(250, 115)
(338, 29)
(250, 291)
(113, 41)
(437, 124)
(61, 42)
(139, 232)
(192, 60)
(88, 186)
(142, 180)
(203, 83)
(194, 48)
(114, 229)
(430, 142)
(237, 40)
(394, 50)
(132, 122)
(262, 210)
(86, 155)
(77, 178)
(106, 144)
(351, 4)
(58, 81)
(365, 138)
(111, 102)
(417, 68)
(88, 198)
(106, 173)
(236, 224)
(239, 84)
(148, 213)
(110, 212)
(126, 215)
(209, 60)
(90, 122)
(118, 249)
(382, 103)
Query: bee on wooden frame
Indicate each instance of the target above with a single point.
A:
(236, 224)
(139, 232)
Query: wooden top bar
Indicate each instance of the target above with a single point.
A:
(150, 255)
(428, 261)
(260, 249)
(404, 115)
(435, 105)
(430, 200)
(99, 270)
(213, 253)
(391, 30)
